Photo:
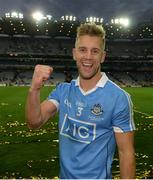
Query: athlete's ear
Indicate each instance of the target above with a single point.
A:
(74, 53)
(103, 56)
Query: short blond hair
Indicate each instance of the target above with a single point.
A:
(91, 29)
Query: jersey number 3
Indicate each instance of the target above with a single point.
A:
(79, 111)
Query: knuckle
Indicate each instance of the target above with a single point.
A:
(37, 66)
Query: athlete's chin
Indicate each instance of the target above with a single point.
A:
(86, 76)
(88, 73)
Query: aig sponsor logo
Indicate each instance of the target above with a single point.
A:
(77, 130)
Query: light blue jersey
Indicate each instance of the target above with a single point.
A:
(87, 122)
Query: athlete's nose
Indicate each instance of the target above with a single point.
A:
(88, 54)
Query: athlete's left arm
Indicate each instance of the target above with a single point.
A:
(125, 144)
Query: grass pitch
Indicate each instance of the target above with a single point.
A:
(26, 154)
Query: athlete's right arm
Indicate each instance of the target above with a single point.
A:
(38, 113)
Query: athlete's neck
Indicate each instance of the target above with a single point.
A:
(88, 84)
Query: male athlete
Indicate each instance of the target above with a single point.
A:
(94, 113)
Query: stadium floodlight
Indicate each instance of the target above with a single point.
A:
(20, 16)
(94, 19)
(68, 18)
(101, 20)
(38, 16)
(71, 18)
(117, 21)
(7, 15)
(122, 21)
(14, 14)
(49, 17)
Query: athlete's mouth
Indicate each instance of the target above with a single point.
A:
(86, 64)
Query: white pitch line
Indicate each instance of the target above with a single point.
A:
(143, 113)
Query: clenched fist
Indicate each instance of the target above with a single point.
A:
(41, 74)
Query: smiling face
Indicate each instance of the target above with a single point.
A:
(89, 55)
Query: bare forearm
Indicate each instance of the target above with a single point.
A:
(36, 113)
(33, 110)
(127, 166)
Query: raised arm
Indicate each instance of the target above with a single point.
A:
(125, 144)
(38, 113)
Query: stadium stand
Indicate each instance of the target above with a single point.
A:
(23, 44)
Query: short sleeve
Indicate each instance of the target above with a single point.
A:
(54, 96)
(123, 114)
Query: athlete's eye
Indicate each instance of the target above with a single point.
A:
(82, 50)
(95, 51)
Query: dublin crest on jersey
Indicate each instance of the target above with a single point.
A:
(97, 110)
